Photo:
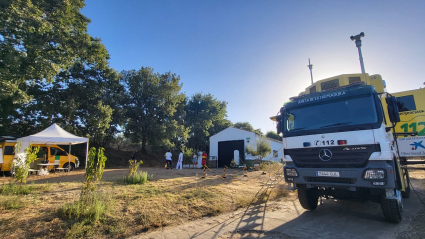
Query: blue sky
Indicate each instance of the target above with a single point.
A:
(254, 54)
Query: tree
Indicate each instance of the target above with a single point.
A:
(152, 104)
(85, 98)
(273, 135)
(205, 115)
(248, 127)
(39, 40)
(261, 150)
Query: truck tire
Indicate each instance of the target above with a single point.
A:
(70, 166)
(406, 193)
(392, 209)
(308, 197)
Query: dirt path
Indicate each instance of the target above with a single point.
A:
(116, 174)
(287, 219)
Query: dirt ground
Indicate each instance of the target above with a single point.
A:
(287, 219)
(210, 207)
(137, 208)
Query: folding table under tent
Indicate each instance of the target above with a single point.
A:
(54, 135)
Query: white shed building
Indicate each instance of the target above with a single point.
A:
(230, 142)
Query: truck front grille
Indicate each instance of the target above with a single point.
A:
(331, 180)
(354, 156)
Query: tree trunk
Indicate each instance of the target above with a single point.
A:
(144, 144)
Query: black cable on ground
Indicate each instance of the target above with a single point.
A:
(417, 193)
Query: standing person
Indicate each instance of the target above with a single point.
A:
(204, 159)
(133, 157)
(168, 158)
(195, 161)
(179, 163)
(43, 155)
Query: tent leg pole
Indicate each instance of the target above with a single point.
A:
(69, 157)
(87, 155)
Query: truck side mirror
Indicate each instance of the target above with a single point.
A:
(279, 124)
(393, 109)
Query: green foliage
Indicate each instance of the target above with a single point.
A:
(188, 154)
(261, 150)
(21, 189)
(53, 71)
(90, 209)
(94, 170)
(273, 135)
(205, 116)
(15, 189)
(137, 178)
(153, 107)
(134, 165)
(12, 203)
(248, 127)
(21, 162)
(39, 39)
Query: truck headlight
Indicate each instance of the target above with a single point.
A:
(374, 174)
(291, 172)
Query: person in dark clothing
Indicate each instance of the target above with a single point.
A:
(43, 155)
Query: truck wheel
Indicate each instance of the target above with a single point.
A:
(392, 208)
(308, 197)
(69, 166)
(406, 193)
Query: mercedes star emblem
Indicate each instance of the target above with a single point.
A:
(325, 154)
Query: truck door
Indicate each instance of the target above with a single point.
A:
(57, 154)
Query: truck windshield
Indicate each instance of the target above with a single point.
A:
(334, 114)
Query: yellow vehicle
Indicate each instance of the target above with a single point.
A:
(412, 111)
(7, 146)
(55, 155)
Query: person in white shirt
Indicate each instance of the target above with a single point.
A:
(179, 163)
(168, 158)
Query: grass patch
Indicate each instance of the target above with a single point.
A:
(22, 189)
(12, 203)
(199, 193)
(15, 189)
(137, 178)
(88, 209)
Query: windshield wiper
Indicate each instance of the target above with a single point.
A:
(337, 124)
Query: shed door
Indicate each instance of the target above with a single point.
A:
(226, 150)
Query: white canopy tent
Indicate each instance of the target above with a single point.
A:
(54, 135)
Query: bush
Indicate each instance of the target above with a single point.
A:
(90, 208)
(137, 178)
(134, 165)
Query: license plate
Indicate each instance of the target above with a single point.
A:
(327, 174)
